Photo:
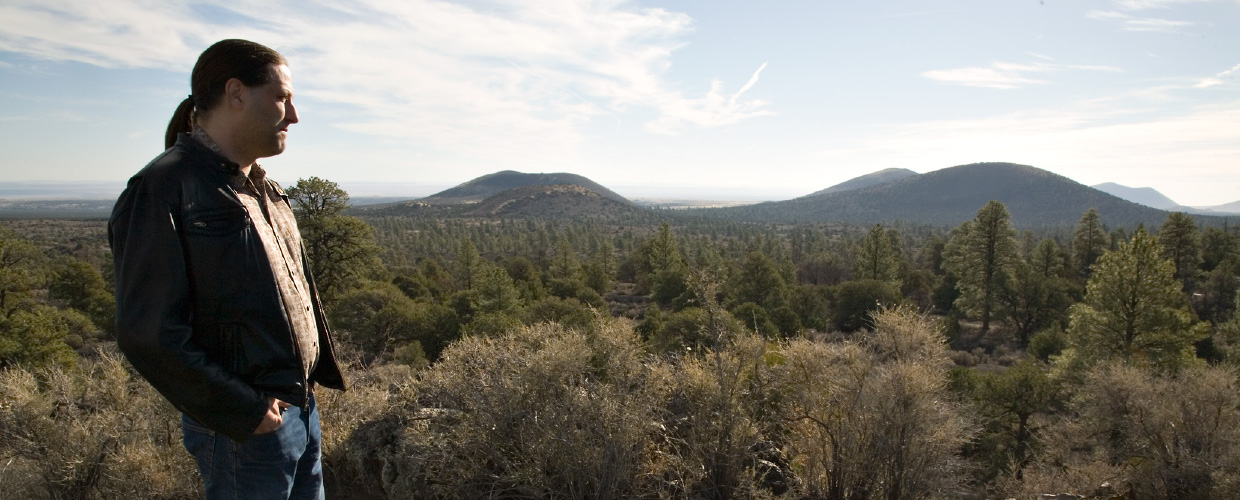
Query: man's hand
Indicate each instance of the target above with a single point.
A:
(274, 417)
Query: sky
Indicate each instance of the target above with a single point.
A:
(698, 99)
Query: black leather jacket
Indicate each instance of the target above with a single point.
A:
(198, 311)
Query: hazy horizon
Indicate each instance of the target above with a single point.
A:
(95, 190)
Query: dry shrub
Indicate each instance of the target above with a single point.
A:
(873, 418)
(538, 412)
(548, 412)
(373, 394)
(724, 424)
(95, 431)
(1149, 436)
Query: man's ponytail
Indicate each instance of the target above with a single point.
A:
(181, 123)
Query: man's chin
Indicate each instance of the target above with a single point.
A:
(275, 149)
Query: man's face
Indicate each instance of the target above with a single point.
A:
(269, 112)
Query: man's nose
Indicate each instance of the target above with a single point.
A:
(290, 113)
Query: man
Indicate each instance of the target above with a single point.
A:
(215, 303)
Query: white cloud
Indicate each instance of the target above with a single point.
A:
(1004, 75)
(1153, 4)
(1218, 79)
(1106, 15)
(520, 76)
(1155, 25)
(993, 77)
(748, 85)
(1129, 23)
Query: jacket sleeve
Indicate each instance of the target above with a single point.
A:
(154, 318)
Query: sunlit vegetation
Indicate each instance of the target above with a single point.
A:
(692, 358)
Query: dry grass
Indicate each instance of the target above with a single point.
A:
(96, 431)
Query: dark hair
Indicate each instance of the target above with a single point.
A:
(226, 59)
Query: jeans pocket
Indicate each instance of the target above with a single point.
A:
(281, 446)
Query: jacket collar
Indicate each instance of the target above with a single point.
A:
(197, 148)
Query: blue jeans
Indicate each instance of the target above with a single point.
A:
(283, 464)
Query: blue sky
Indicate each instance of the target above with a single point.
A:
(677, 98)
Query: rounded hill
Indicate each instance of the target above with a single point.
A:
(489, 185)
(553, 201)
(1035, 198)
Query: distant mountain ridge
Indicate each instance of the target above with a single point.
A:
(537, 201)
(1150, 197)
(1233, 207)
(1147, 196)
(553, 201)
(950, 196)
(879, 177)
(478, 189)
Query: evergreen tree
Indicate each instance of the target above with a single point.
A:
(1215, 297)
(35, 338)
(526, 277)
(760, 282)
(1047, 259)
(1133, 309)
(465, 267)
(495, 292)
(1089, 243)
(494, 303)
(1010, 400)
(1023, 297)
(314, 197)
(981, 254)
(22, 270)
(1219, 246)
(931, 255)
(80, 286)
(342, 249)
(876, 257)
(376, 317)
(1181, 244)
(602, 267)
(564, 264)
(855, 302)
(667, 269)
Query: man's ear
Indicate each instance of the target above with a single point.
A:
(234, 93)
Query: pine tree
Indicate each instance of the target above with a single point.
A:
(466, 265)
(35, 338)
(1133, 309)
(760, 282)
(22, 269)
(1089, 243)
(876, 257)
(80, 286)
(1010, 400)
(564, 264)
(1026, 299)
(1182, 245)
(342, 249)
(1047, 259)
(314, 197)
(980, 254)
(1219, 246)
(667, 272)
